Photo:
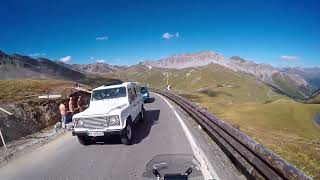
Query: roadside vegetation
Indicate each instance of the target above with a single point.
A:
(28, 89)
(276, 121)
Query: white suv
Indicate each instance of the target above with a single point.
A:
(113, 109)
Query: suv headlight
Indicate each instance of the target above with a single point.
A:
(113, 120)
(78, 122)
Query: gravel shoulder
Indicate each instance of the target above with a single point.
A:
(29, 143)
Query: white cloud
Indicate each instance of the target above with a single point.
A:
(65, 59)
(37, 54)
(168, 36)
(102, 38)
(289, 58)
(100, 61)
(91, 57)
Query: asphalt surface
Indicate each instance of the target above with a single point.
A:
(66, 159)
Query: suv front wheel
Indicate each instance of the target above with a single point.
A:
(127, 133)
(84, 140)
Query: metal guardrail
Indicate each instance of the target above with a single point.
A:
(254, 160)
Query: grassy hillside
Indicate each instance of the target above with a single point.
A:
(26, 89)
(314, 100)
(281, 124)
(288, 86)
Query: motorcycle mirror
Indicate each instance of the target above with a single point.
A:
(189, 171)
(156, 172)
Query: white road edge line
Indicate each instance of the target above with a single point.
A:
(197, 151)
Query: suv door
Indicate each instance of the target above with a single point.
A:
(137, 101)
(133, 103)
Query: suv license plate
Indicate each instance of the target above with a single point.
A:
(95, 134)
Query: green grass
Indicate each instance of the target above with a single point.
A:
(284, 126)
(281, 124)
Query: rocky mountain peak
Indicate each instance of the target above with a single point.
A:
(237, 59)
(181, 61)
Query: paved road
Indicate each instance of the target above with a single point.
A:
(65, 158)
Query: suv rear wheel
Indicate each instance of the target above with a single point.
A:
(127, 133)
(84, 140)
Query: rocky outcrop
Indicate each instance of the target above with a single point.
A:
(27, 118)
(31, 116)
(181, 61)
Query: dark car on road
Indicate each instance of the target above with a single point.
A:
(145, 93)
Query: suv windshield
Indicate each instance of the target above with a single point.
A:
(108, 93)
(143, 90)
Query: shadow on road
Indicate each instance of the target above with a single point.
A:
(109, 140)
(141, 130)
(151, 100)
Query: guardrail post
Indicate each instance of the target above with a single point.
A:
(4, 143)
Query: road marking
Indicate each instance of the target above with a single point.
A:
(197, 151)
(5, 111)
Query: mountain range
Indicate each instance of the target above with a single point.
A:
(295, 82)
(298, 83)
(16, 67)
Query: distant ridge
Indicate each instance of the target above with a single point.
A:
(17, 66)
(297, 83)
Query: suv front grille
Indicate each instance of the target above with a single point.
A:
(95, 122)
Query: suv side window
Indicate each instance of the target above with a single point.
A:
(135, 91)
(131, 94)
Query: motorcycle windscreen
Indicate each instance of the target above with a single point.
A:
(173, 164)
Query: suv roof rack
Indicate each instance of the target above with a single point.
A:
(113, 82)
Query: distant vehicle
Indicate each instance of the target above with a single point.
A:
(173, 167)
(113, 109)
(145, 93)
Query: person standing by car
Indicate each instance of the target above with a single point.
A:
(62, 109)
(80, 104)
(71, 109)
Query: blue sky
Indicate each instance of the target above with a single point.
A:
(283, 33)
